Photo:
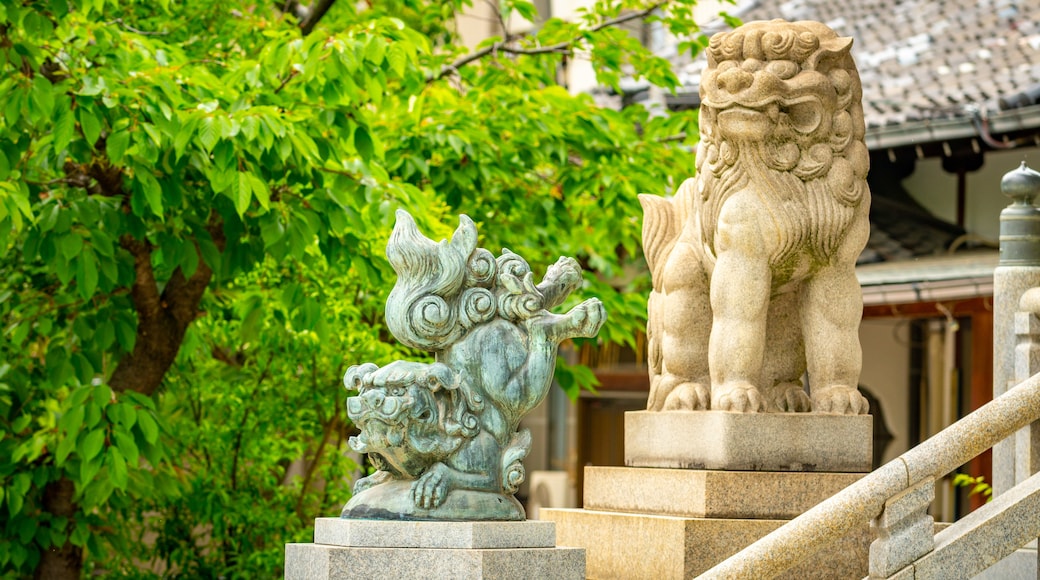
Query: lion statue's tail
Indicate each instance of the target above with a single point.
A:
(662, 224)
(513, 455)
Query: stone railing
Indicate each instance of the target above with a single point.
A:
(895, 498)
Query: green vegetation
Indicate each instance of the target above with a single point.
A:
(194, 202)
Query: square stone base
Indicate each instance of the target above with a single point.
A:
(710, 494)
(749, 441)
(324, 562)
(412, 534)
(347, 549)
(634, 546)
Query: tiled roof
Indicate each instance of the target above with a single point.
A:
(922, 60)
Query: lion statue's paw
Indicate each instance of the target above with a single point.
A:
(587, 317)
(688, 397)
(371, 481)
(840, 400)
(738, 396)
(431, 489)
(788, 398)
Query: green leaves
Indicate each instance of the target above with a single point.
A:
(116, 144)
(149, 428)
(91, 445)
(87, 274)
(89, 124)
(278, 161)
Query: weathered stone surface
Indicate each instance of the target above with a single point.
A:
(709, 494)
(751, 442)
(444, 435)
(458, 535)
(753, 260)
(635, 546)
(905, 531)
(1022, 565)
(985, 536)
(323, 562)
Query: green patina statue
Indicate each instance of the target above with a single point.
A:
(444, 435)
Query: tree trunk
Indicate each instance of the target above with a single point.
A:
(60, 562)
(162, 320)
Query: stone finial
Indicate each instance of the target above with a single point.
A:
(445, 435)
(1022, 185)
(1020, 221)
(753, 260)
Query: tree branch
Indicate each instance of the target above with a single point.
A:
(162, 319)
(145, 291)
(314, 14)
(560, 47)
(498, 18)
(120, 22)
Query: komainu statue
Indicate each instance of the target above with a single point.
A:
(753, 260)
(444, 435)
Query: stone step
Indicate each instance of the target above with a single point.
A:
(628, 546)
(709, 494)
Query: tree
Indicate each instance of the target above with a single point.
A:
(192, 183)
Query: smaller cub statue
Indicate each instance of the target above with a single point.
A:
(753, 260)
(444, 435)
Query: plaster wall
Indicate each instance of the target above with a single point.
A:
(886, 373)
(936, 190)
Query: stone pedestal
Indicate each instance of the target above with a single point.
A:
(665, 519)
(348, 549)
(749, 441)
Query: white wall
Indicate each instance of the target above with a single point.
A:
(886, 372)
(936, 189)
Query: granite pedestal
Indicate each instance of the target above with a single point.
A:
(347, 549)
(749, 441)
(661, 518)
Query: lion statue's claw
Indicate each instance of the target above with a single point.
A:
(688, 397)
(840, 400)
(740, 397)
(371, 481)
(431, 489)
(789, 398)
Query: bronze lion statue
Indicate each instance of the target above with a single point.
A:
(444, 436)
(753, 260)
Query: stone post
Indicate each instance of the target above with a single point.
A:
(904, 530)
(1018, 271)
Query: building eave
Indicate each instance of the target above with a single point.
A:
(940, 130)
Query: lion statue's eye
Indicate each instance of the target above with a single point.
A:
(397, 391)
(784, 69)
(804, 117)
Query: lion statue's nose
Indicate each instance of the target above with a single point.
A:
(735, 80)
(374, 399)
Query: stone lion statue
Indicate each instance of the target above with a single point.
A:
(753, 260)
(444, 435)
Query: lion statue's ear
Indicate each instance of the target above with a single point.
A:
(439, 376)
(464, 240)
(833, 52)
(356, 375)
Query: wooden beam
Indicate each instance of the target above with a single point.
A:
(627, 379)
(967, 307)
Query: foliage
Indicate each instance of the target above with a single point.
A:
(977, 485)
(194, 198)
